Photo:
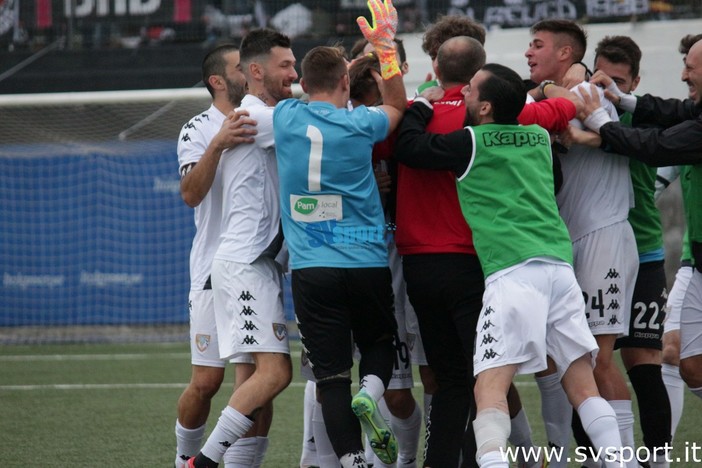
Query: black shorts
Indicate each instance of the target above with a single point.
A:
(335, 306)
(647, 309)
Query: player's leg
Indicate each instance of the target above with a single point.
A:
(308, 457)
(446, 293)
(374, 332)
(206, 377)
(606, 265)
(322, 310)
(556, 412)
(642, 358)
(671, 345)
(403, 413)
(691, 335)
(571, 345)
(250, 319)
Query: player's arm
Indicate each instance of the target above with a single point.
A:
(418, 149)
(679, 144)
(196, 178)
(553, 114)
(381, 33)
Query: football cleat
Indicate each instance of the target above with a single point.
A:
(380, 436)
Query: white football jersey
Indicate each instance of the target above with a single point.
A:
(195, 137)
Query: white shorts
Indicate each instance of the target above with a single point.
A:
(691, 319)
(675, 298)
(248, 300)
(402, 371)
(606, 264)
(533, 310)
(204, 349)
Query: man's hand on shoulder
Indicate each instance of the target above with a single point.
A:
(238, 128)
(432, 93)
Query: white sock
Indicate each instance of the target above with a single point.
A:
(373, 386)
(241, 454)
(326, 457)
(557, 414)
(676, 394)
(230, 426)
(697, 392)
(600, 424)
(520, 436)
(353, 460)
(261, 449)
(625, 421)
(491, 427)
(188, 442)
(309, 451)
(407, 434)
(492, 460)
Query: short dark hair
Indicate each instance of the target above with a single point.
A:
(446, 27)
(505, 90)
(215, 64)
(568, 28)
(260, 42)
(360, 44)
(687, 42)
(620, 49)
(361, 80)
(323, 67)
(459, 58)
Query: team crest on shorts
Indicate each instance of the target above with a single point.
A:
(411, 340)
(202, 342)
(280, 330)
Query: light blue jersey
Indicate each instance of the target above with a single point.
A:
(330, 205)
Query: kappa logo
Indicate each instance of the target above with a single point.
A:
(489, 354)
(249, 326)
(247, 311)
(613, 289)
(280, 330)
(489, 339)
(246, 296)
(487, 325)
(612, 273)
(503, 137)
(614, 305)
(488, 311)
(249, 340)
(186, 137)
(613, 320)
(306, 205)
(202, 342)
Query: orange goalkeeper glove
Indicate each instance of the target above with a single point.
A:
(381, 35)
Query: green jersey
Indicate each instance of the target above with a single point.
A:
(644, 217)
(507, 197)
(691, 183)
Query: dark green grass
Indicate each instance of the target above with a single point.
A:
(115, 406)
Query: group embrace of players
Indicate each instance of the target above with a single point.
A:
(460, 232)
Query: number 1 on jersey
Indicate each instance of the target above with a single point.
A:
(314, 171)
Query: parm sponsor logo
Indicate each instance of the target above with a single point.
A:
(306, 205)
(101, 280)
(512, 138)
(312, 209)
(20, 280)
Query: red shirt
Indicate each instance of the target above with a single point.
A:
(429, 218)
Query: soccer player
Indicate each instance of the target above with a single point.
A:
(671, 335)
(245, 277)
(619, 58)
(405, 416)
(532, 304)
(335, 230)
(200, 146)
(594, 202)
(679, 142)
